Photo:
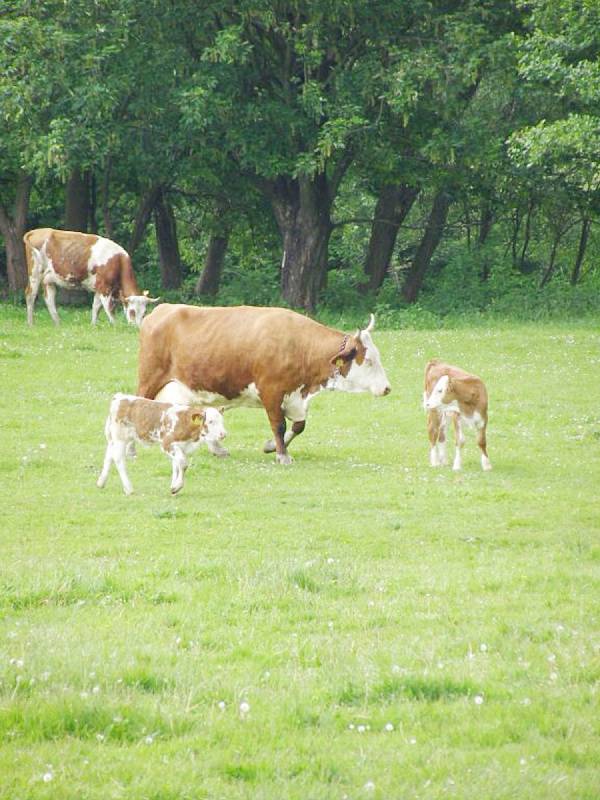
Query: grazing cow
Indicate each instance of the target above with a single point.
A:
(74, 260)
(452, 392)
(180, 430)
(251, 356)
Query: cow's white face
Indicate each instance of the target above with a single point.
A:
(134, 307)
(213, 425)
(369, 375)
(436, 398)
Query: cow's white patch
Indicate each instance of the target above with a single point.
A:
(295, 405)
(177, 392)
(101, 251)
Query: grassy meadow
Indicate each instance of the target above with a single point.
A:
(358, 625)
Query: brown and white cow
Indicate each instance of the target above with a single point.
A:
(452, 392)
(253, 356)
(179, 430)
(74, 260)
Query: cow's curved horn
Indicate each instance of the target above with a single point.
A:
(371, 324)
(153, 299)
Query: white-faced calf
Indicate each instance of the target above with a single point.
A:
(450, 392)
(178, 429)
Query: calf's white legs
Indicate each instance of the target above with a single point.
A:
(180, 464)
(115, 452)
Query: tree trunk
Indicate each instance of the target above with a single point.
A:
(526, 236)
(168, 246)
(515, 235)
(427, 246)
(486, 220)
(77, 201)
(12, 229)
(145, 208)
(106, 215)
(551, 264)
(302, 209)
(393, 205)
(210, 278)
(583, 240)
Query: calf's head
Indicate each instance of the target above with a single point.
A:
(210, 422)
(359, 365)
(134, 307)
(441, 394)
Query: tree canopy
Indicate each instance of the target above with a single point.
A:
(300, 145)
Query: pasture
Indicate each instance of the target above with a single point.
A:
(358, 625)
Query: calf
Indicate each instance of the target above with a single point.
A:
(452, 392)
(179, 429)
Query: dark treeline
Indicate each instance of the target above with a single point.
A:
(304, 151)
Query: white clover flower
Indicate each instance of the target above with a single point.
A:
(244, 707)
(149, 739)
(47, 777)
(369, 786)
(389, 727)
(96, 690)
(361, 729)
(478, 699)
(221, 705)
(483, 647)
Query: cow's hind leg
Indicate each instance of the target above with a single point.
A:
(460, 440)
(482, 442)
(50, 298)
(118, 456)
(103, 477)
(31, 293)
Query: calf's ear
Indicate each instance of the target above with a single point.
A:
(197, 417)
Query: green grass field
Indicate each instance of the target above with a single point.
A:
(358, 625)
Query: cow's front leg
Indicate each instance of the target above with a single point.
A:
(297, 428)
(278, 426)
(442, 459)
(216, 449)
(433, 431)
(180, 464)
(106, 301)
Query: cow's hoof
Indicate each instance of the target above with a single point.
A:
(284, 459)
(175, 489)
(269, 446)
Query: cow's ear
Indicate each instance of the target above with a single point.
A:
(346, 355)
(221, 409)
